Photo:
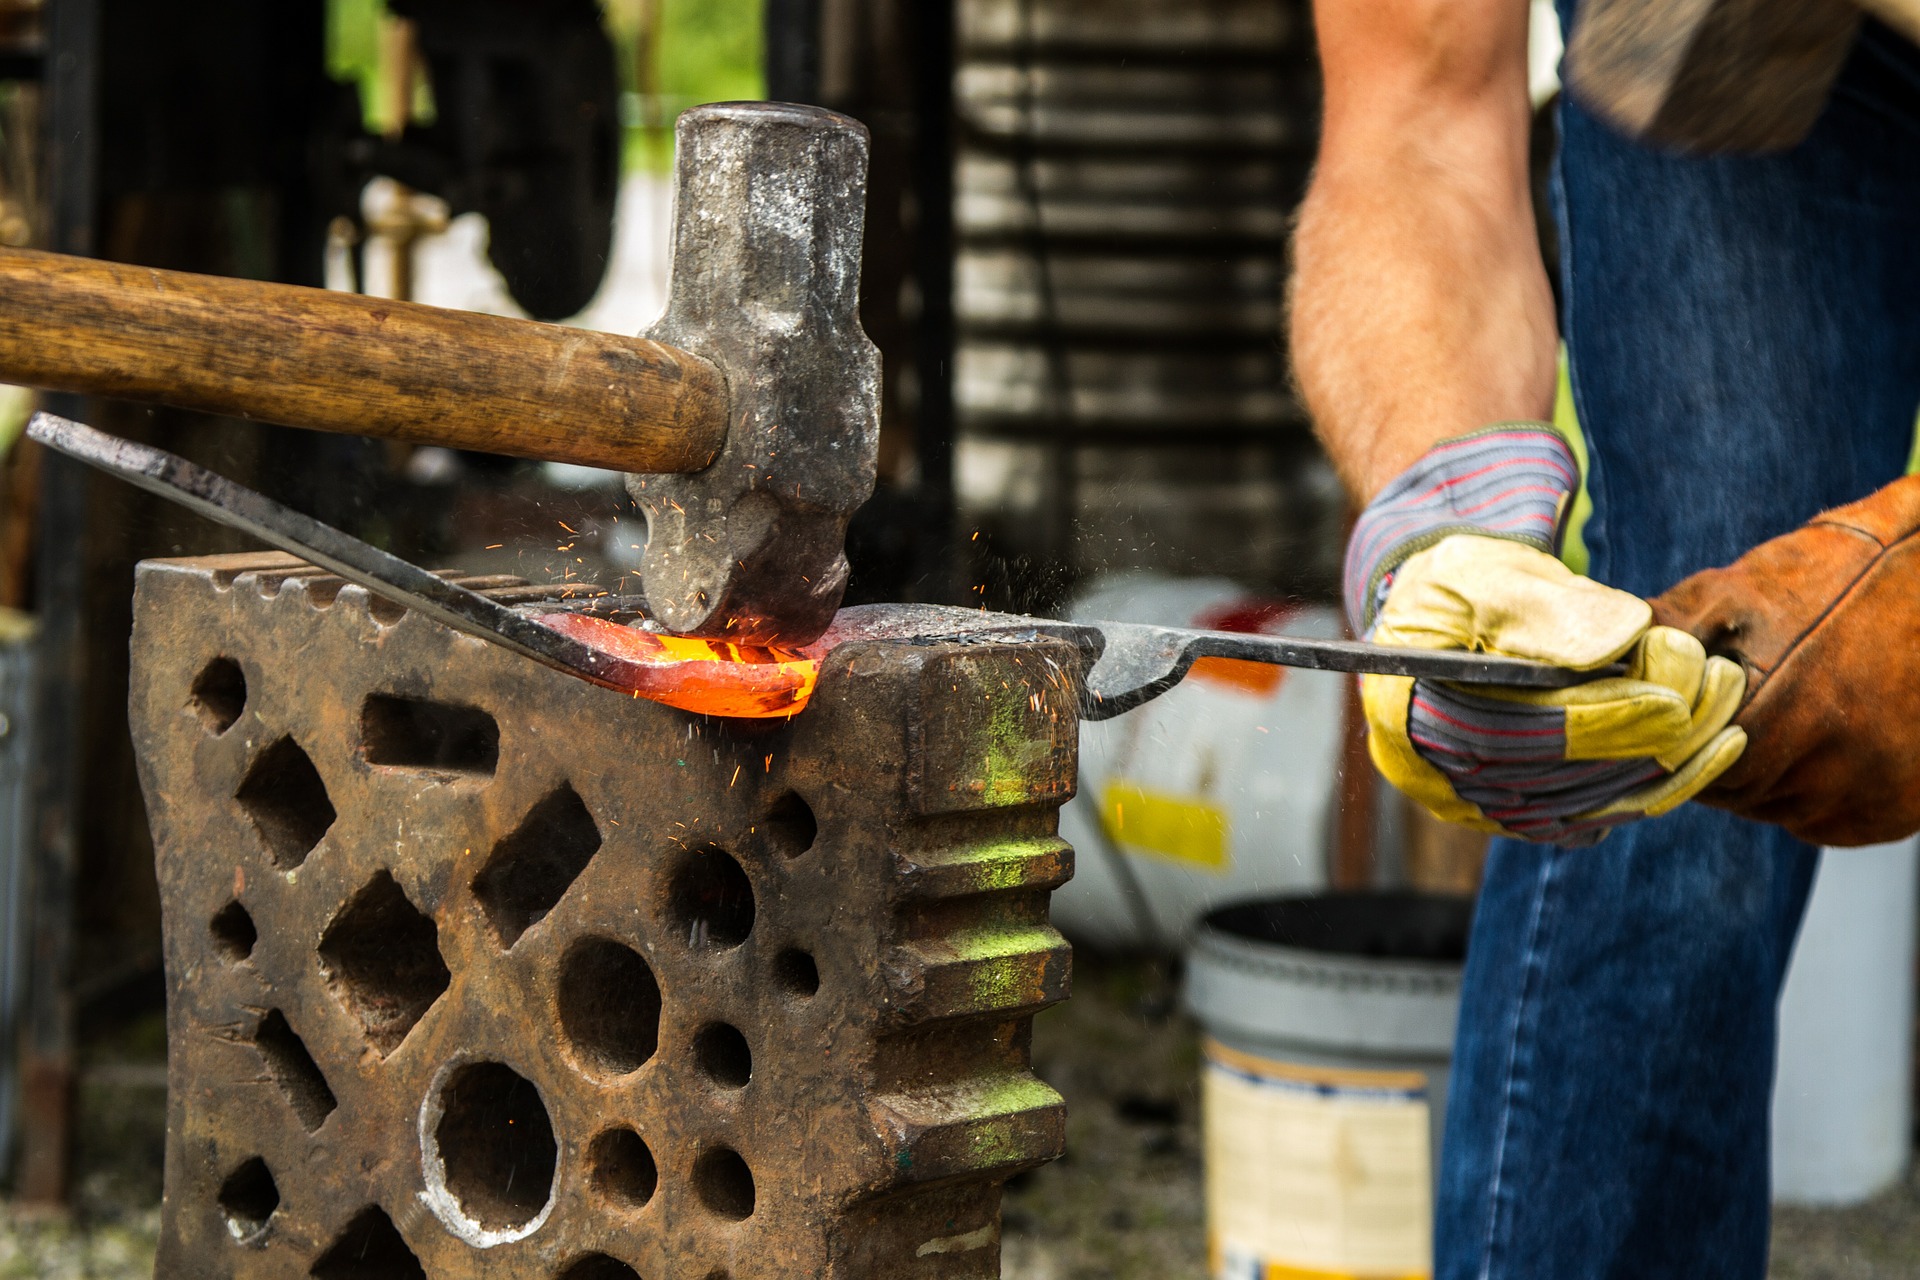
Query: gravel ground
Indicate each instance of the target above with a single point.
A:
(116, 1214)
(1879, 1240)
(1125, 1203)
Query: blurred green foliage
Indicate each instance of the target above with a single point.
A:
(709, 51)
(353, 47)
(706, 51)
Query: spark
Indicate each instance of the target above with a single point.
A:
(736, 776)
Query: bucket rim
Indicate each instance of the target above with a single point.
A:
(1216, 931)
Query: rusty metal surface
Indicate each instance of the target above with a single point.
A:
(769, 212)
(475, 968)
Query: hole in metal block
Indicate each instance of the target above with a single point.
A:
(287, 801)
(219, 694)
(294, 1070)
(495, 1145)
(598, 1266)
(791, 824)
(623, 1168)
(527, 873)
(233, 931)
(796, 973)
(724, 1184)
(723, 1055)
(409, 733)
(249, 1197)
(712, 901)
(381, 958)
(609, 1005)
(369, 1249)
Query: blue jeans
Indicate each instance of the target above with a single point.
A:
(1744, 336)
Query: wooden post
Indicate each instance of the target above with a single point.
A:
(47, 1033)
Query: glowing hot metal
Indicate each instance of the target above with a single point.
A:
(708, 676)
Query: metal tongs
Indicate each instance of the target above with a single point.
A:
(1132, 663)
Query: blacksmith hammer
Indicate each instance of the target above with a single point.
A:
(1717, 75)
(747, 418)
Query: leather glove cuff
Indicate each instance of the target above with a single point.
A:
(1826, 622)
(1512, 480)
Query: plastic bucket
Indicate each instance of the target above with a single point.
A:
(1843, 1089)
(1329, 1030)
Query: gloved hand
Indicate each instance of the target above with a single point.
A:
(1457, 554)
(1826, 622)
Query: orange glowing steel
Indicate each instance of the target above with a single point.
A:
(706, 676)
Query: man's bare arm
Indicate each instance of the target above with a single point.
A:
(1419, 305)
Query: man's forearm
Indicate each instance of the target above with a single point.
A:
(1419, 305)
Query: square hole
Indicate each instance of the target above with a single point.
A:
(292, 1068)
(381, 957)
(436, 737)
(369, 1249)
(528, 872)
(287, 801)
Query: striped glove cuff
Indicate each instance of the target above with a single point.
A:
(1512, 480)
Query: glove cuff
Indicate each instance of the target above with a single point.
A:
(1511, 480)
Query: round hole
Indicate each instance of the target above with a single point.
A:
(723, 1056)
(233, 932)
(712, 901)
(249, 1197)
(622, 1168)
(598, 1266)
(791, 824)
(384, 611)
(609, 1005)
(724, 1184)
(219, 694)
(796, 973)
(494, 1150)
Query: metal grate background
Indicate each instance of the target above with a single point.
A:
(1126, 174)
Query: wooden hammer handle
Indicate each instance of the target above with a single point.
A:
(350, 363)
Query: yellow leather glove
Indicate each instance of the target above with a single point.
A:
(1563, 765)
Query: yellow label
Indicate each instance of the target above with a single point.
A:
(1316, 1174)
(1184, 828)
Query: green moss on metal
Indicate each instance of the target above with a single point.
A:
(1002, 864)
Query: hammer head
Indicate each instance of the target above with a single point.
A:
(769, 209)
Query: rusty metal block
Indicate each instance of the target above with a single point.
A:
(475, 968)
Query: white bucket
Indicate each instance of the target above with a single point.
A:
(1219, 790)
(1329, 1025)
(1843, 1093)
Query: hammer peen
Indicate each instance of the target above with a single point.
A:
(747, 420)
